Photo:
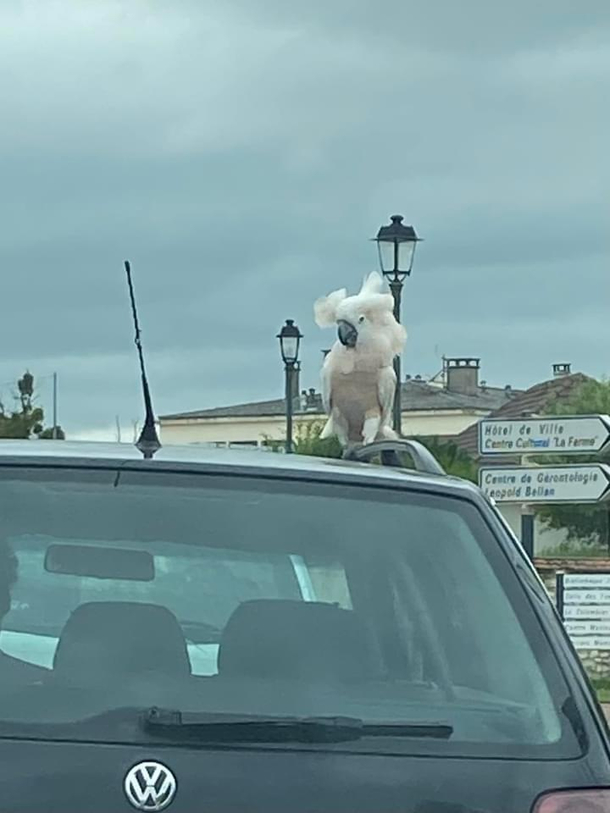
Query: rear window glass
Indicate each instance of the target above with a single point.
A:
(270, 599)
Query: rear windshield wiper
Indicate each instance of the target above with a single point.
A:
(230, 728)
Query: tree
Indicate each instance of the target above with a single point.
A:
(586, 523)
(27, 419)
(455, 460)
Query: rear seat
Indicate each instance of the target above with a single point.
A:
(295, 640)
(105, 640)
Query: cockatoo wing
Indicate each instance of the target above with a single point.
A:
(386, 387)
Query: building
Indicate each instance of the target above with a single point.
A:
(445, 406)
(527, 404)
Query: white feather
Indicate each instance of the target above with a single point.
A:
(372, 284)
(386, 387)
(326, 387)
(325, 309)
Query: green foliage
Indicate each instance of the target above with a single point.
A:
(588, 524)
(307, 441)
(455, 461)
(574, 549)
(592, 397)
(47, 434)
(25, 420)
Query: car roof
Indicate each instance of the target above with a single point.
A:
(205, 458)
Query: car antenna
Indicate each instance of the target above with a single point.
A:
(148, 443)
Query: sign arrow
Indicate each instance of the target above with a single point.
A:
(546, 484)
(571, 434)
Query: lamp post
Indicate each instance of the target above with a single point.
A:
(396, 246)
(290, 341)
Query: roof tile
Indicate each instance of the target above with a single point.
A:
(416, 395)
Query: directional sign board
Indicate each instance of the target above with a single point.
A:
(546, 484)
(583, 601)
(576, 434)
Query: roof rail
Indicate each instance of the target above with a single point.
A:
(423, 460)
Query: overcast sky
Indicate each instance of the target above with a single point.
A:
(241, 152)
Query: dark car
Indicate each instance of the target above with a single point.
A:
(223, 631)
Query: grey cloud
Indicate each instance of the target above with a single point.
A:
(240, 155)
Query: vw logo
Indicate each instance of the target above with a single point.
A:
(150, 786)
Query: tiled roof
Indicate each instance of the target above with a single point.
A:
(532, 401)
(416, 396)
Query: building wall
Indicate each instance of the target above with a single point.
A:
(257, 430)
(545, 539)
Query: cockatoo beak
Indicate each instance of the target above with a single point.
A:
(348, 335)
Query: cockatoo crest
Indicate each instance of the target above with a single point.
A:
(370, 311)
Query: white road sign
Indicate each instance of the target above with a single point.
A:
(588, 642)
(588, 627)
(546, 484)
(586, 597)
(588, 612)
(571, 580)
(574, 434)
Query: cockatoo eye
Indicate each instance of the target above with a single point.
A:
(361, 319)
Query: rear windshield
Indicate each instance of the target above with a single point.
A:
(245, 597)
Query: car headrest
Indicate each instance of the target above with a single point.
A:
(106, 638)
(294, 640)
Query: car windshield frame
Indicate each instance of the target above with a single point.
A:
(568, 746)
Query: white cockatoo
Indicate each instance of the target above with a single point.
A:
(358, 379)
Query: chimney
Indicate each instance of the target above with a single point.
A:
(560, 370)
(313, 401)
(463, 375)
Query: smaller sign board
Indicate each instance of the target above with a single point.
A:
(583, 601)
(546, 484)
(587, 643)
(587, 628)
(573, 434)
(575, 580)
(585, 597)
(573, 612)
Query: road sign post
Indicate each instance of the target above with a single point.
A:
(527, 533)
(532, 484)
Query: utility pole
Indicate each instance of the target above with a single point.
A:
(54, 406)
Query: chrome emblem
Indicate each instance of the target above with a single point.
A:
(150, 786)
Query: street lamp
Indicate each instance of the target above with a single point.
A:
(290, 342)
(396, 246)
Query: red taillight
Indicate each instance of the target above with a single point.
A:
(574, 801)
